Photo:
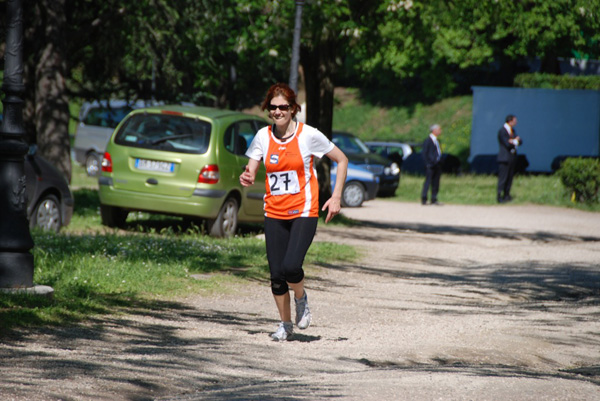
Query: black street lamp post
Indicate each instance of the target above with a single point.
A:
(16, 261)
(296, 47)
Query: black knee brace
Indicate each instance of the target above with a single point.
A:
(295, 275)
(279, 287)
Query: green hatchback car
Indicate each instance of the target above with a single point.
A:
(183, 161)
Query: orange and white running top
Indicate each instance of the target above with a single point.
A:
(291, 186)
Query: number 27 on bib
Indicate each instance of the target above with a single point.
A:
(284, 182)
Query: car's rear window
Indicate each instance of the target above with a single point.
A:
(105, 117)
(350, 144)
(165, 132)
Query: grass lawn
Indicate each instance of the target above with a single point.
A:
(470, 189)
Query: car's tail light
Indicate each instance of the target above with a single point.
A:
(107, 163)
(209, 174)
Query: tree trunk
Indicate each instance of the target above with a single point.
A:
(51, 107)
(318, 63)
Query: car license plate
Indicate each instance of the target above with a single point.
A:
(154, 165)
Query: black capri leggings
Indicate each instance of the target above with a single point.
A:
(287, 243)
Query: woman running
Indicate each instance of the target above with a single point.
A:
(287, 149)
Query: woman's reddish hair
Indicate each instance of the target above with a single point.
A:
(281, 89)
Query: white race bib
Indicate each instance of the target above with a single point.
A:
(284, 182)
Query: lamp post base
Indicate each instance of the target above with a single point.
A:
(36, 290)
(16, 270)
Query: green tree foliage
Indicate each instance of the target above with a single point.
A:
(214, 53)
(217, 53)
(434, 39)
(226, 53)
(552, 29)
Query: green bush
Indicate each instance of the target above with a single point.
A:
(551, 81)
(581, 177)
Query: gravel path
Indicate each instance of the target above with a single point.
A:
(448, 302)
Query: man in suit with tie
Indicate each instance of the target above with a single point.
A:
(507, 157)
(432, 156)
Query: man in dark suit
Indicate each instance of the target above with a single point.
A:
(507, 157)
(432, 156)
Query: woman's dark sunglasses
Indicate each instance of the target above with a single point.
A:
(282, 107)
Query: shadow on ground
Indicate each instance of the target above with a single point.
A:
(525, 281)
(443, 365)
(144, 361)
(509, 234)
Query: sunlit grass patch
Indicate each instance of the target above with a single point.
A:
(472, 189)
(99, 273)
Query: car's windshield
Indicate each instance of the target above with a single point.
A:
(350, 144)
(165, 132)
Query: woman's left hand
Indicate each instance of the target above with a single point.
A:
(333, 206)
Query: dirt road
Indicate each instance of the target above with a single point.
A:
(448, 303)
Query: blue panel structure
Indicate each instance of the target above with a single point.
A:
(552, 123)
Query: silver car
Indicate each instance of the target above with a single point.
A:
(395, 151)
(97, 121)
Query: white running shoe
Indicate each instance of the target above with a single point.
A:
(303, 316)
(284, 331)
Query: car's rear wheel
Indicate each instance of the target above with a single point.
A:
(353, 194)
(46, 214)
(225, 225)
(113, 216)
(92, 164)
